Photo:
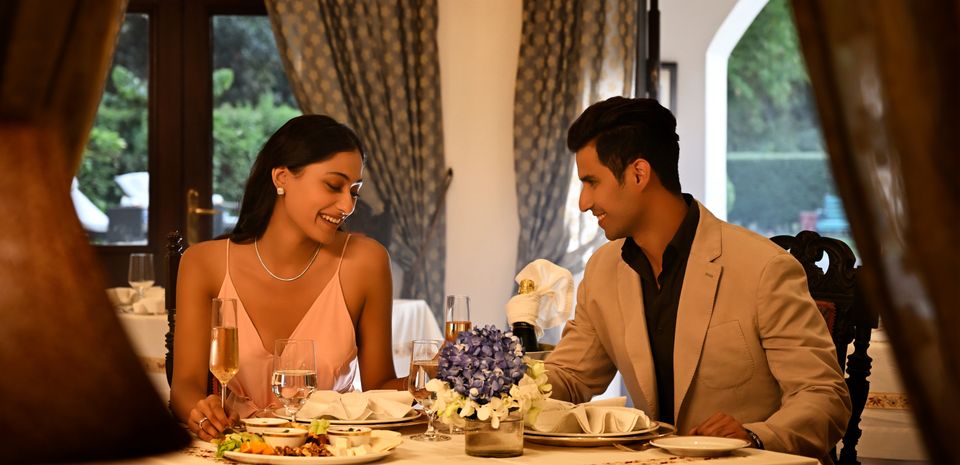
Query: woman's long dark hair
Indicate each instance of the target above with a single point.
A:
(301, 141)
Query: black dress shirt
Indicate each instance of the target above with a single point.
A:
(661, 295)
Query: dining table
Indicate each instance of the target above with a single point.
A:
(412, 452)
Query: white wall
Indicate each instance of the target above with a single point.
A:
(479, 43)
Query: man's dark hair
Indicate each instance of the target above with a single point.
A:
(626, 129)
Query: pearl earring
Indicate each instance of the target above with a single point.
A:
(280, 191)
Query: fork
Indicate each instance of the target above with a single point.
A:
(624, 448)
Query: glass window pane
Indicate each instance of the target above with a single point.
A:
(251, 99)
(778, 174)
(111, 192)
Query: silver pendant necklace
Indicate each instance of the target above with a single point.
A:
(278, 278)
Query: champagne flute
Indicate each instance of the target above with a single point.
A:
(456, 317)
(140, 274)
(294, 373)
(224, 345)
(424, 365)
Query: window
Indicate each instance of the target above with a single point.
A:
(111, 193)
(251, 100)
(778, 175)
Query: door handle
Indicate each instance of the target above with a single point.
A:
(194, 210)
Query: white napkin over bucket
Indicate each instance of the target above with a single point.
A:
(550, 304)
(368, 405)
(603, 416)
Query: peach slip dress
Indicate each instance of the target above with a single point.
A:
(327, 321)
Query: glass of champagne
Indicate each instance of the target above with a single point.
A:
(424, 365)
(294, 373)
(140, 274)
(456, 316)
(224, 345)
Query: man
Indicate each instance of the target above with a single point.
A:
(711, 325)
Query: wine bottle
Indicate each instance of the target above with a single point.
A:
(526, 332)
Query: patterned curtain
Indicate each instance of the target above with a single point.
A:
(373, 64)
(572, 54)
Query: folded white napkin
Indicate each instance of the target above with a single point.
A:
(603, 416)
(382, 440)
(121, 296)
(547, 306)
(369, 405)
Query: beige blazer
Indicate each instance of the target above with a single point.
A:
(750, 342)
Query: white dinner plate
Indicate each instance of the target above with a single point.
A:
(653, 425)
(664, 429)
(699, 446)
(243, 457)
(412, 415)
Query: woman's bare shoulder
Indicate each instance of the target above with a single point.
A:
(366, 250)
(206, 258)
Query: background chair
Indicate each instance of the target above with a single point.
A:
(176, 246)
(837, 295)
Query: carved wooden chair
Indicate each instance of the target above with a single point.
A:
(838, 297)
(176, 245)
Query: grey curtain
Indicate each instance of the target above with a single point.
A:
(373, 64)
(572, 54)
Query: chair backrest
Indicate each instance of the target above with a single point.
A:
(176, 245)
(838, 297)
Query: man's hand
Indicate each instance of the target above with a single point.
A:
(722, 425)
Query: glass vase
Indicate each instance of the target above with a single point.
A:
(483, 440)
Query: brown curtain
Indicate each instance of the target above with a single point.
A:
(572, 54)
(887, 81)
(374, 65)
(66, 360)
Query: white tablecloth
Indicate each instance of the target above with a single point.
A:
(889, 429)
(421, 453)
(147, 334)
(412, 319)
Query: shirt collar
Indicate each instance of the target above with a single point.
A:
(679, 246)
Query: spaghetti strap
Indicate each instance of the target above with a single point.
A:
(343, 252)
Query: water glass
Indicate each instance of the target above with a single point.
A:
(424, 365)
(294, 373)
(140, 272)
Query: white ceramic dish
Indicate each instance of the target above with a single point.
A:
(699, 446)
(284, 437)
(664, 429)
(280, 460)
(355, 435)
(256, 425)
(412, 415)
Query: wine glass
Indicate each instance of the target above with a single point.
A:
(224, 345)
(140, 274)
(456, 317)
(294, 373)
(456, 320)
(424, 365)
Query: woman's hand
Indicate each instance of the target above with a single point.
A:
(208, 420)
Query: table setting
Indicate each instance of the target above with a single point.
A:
(478, 382)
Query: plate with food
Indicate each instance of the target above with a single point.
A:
(594, 440)
(318, 444)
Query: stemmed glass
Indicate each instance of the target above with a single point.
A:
(224, 345)
(294, 373)
(456, 317)
(456, 320)
(424, 365)
(140, 274)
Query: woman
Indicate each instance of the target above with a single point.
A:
(294, 273)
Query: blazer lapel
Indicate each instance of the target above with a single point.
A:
(636, 340)
(696, 304)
